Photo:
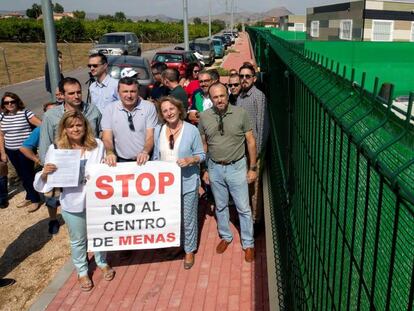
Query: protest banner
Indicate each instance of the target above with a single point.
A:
(133, 207)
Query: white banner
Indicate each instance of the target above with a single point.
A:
(133, 207)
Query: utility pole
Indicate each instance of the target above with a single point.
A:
(51, 46)
(232, 15)
(185, 19)
(209, 19)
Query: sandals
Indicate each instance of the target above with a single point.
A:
(85, 283)
(108, 273)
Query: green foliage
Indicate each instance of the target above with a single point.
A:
(219, 23)
(197, 20)
(70, 29)
(58, 8)
(78, 30)
(119, 16)
(79, 14)
(35, 11)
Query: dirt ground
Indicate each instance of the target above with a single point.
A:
(26, 61)
(29, 254)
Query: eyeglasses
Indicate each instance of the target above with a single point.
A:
(196, 71)
(130, 121)
(220, 125)
(94, 65)
(171, 141)
(204, 81)
(245, 76)
(233, 84)
(9, 102)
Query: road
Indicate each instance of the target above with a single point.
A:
(33, 92)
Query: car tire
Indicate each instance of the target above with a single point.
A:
(139, 52)
(125, 53)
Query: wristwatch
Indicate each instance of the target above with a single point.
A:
(253, 168)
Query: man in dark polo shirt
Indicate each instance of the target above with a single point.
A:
(225, 129)
(171, 79)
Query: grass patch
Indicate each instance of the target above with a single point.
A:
(231, 51)
(222, 71)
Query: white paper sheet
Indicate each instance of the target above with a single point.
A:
(67, 162)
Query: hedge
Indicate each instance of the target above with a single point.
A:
(75, 30)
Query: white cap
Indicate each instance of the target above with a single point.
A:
(128, 72)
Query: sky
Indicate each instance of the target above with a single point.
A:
(172, 8)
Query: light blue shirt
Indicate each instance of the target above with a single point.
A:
(104, 93)
(190, 145)
(129, 143)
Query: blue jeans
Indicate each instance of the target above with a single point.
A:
(78, 241)
(3, 190)
(232, 178)
(189, 227)
(25, 169)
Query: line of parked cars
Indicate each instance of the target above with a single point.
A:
(123, 51)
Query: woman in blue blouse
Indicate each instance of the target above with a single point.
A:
(180, 142)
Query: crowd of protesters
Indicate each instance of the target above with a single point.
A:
(215, 132)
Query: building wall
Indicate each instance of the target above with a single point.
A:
(288, 22)
(363, 15)
(330, 17)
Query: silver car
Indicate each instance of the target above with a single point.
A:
(118, 43)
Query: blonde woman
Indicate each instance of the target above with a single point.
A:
(74, 132)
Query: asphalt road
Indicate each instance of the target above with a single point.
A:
(33, 92)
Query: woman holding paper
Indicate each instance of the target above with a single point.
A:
(180, 142)
(75, 133)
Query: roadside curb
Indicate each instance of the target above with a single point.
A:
(53, 288)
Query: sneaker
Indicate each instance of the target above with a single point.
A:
(33, 207)
(6, 282)
(23, 203)
(54, 226)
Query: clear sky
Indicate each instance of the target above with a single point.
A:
(172, 8)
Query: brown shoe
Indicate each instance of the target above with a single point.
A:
(188, 261)
(23, 203)
(33, 207)
(222, 246)
(249, 254)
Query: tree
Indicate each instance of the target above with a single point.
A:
(119, 16)
(79, 14)
(35, 11)
(197, 20)
(58, 8)
(219, 23)
(106, 17)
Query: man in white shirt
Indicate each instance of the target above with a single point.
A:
(103, 91)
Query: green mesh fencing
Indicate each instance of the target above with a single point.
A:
(341, 168)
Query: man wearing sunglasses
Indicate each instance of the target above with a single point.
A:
(225, 129)
(234, 88)
(103, 91)
(128, 126)
(255, 103)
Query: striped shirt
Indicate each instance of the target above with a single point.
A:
(16, 128)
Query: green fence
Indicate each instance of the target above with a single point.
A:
(341, 167)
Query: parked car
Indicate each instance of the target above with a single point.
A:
(218, 48)
(230, 34)
(118, 43)
(206, 48)
(116, 65)
(178, 59)
(223, 41)
(228, 39)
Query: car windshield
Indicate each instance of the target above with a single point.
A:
(200, 46)
(168, 58)
(217, 42)
(115, 71)
(112, 39)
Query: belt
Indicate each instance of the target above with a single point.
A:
(119, 159)
(226, 163)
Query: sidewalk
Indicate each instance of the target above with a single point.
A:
(243, 53)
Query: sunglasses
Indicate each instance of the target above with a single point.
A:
(221, 125)
(233, 84)
(171, 141)
(9, 102)
(245, 76)
(204, 81)
(130, 122)
(94, 65)
(196, 71)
